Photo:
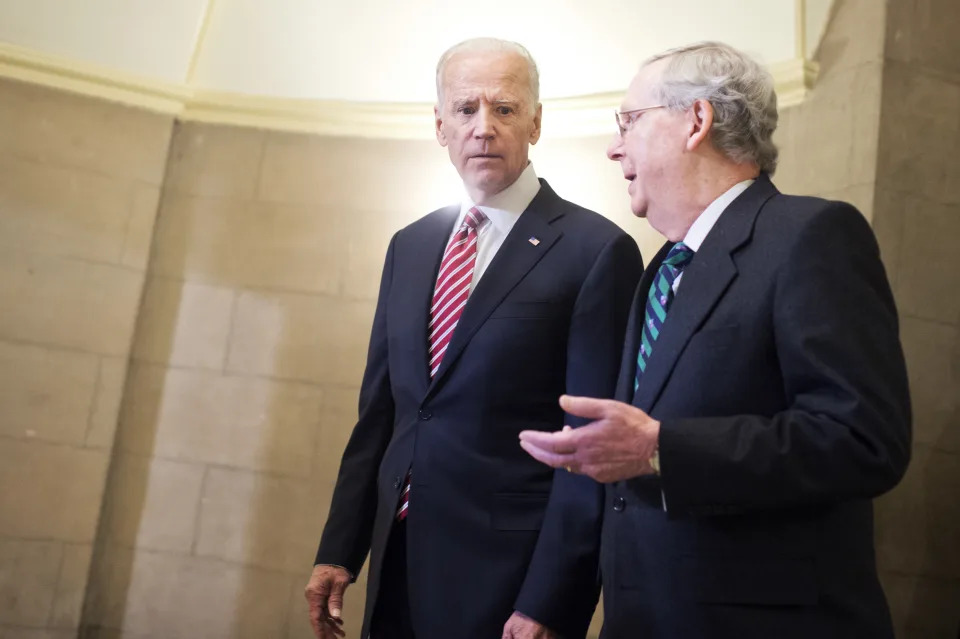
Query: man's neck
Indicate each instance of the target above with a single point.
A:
(708, 185)
(525, 183)
(716, 179)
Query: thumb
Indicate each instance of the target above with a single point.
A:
(588, 407)
(335, 601)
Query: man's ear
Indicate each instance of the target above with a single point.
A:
(537, 118)
(701, 121)
(438, 122)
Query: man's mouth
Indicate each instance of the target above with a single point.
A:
(485, 156)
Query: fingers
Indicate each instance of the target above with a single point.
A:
(508, 629)
(324, 593)
(318, 607)
(548, 457)
(335, 628)
(561, 442)
(315, 622)
(325, 627)
(586, 406)
(335, 600)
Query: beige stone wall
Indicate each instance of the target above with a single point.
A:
(917, 217)
(77, 207)
(828, 144)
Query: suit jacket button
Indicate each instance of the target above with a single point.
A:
(397, 482)
(619, 503)
(424, 414)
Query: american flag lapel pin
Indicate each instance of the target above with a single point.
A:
(534, 241)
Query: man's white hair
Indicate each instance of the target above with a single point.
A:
(738, 88)
(488, 45)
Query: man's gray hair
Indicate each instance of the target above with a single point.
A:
(740, 91)
(488, 45)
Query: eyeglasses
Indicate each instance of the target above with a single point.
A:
(625, 119)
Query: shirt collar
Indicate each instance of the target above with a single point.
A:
(505, 207)
(702, 225)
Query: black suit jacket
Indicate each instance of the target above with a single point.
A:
(781, 390)
(489, 529)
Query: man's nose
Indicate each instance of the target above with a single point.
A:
(484, 125)
(615, 148)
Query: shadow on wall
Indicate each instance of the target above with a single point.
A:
(119, 538)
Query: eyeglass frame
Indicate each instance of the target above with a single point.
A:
(619, 115)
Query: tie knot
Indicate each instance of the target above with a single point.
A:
(679, 255)
(474, 219)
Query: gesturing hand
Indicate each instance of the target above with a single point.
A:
(616, 445)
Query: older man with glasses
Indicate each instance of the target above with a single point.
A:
(762, 401)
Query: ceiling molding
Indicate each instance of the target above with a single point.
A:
(794, 80)
(92, 80)
(564, 117)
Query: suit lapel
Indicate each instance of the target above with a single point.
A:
(516, 256)
(703, 284)
(631, 344)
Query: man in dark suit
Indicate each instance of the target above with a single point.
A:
(762, 400)
(487, 312)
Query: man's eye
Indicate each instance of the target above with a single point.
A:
(504, 110)
(466, 110)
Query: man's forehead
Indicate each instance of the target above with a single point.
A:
(503, 65)
(642, 85)
(503, 89)
(484, 58)
(489, 93)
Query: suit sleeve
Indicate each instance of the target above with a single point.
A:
(845, 433)
(561, 588)
(347, 533)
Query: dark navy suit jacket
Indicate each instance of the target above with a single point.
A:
(781, 389)
(489, 528)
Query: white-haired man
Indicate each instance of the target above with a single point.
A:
(488, 310)
(762, 401)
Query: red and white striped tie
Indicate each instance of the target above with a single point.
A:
(449, 297)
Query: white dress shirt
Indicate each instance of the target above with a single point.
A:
(503, 211)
